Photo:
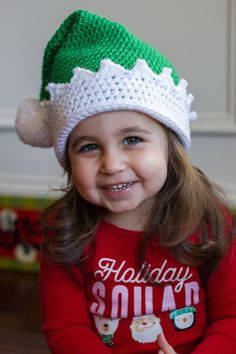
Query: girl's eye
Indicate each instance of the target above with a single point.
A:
(88, 148)
(131, 140)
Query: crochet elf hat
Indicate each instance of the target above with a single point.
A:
(92, 65)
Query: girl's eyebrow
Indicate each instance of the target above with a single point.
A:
(135, 129)
(79, 139)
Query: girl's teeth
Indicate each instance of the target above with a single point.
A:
(118, 187)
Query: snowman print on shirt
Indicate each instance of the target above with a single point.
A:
(106, 328)
(183, 318)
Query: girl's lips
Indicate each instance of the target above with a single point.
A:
(118, 187)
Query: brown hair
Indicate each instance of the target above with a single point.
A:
(187, 204)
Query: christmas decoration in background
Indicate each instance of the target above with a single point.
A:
(20, 233)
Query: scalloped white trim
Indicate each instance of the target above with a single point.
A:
(115, 88)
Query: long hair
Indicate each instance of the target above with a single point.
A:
(191, 215)
(188, 204)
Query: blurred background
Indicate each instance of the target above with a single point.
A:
(199, 37)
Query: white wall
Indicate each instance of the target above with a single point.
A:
(198, 37)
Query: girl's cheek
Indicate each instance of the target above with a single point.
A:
(154, 161)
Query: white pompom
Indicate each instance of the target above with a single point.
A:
(31, 123)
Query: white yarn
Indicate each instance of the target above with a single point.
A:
(111, 88)
(115, 88)
(31, 123)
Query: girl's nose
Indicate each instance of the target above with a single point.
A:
(113, 162)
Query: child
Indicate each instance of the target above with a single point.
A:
(138, 253)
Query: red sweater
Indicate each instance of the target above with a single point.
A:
(109, 306)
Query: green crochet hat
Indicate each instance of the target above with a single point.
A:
(93, 65)
(85, 39)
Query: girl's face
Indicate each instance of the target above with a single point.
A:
(119, 162)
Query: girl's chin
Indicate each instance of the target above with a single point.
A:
(119, 209)
(124, 211)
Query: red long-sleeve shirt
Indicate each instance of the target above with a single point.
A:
(108, 305)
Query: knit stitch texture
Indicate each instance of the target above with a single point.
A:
(84, 39)
(114, 88)
(92, 65)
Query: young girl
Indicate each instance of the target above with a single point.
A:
(138, 254)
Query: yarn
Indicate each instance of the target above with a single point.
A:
(93, 65)
(85, 39)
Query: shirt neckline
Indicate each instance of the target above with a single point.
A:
(116, 230)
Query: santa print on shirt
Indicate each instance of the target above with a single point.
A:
(141, 295)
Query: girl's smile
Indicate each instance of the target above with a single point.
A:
(120, 191)
(119, 187)
(119, 162)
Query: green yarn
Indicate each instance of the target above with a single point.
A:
(84, 39)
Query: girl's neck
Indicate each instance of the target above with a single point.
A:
(135, 221)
